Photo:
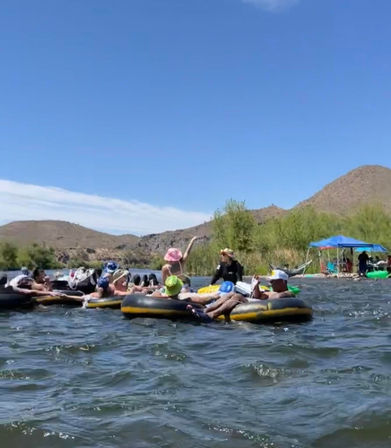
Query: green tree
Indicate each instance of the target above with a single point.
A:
(36, 255)
(8, 256)
(234, 227)
(371, 223)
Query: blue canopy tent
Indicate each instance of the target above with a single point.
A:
(339, 242)
(375, 248)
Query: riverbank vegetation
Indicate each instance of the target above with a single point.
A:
(280, 241)
(283, 240)
(13, 257)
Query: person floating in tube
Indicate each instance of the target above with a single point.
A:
(229, 268)
(176, 262)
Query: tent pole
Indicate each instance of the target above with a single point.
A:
(352, 257)
(338, 262)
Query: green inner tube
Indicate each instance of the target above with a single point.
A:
(294, 289)
(377, 274)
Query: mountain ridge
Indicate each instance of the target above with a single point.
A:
(362, 185)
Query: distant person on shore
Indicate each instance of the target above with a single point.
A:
(229, 268)
(363, 259)
(389, 263)
(176, 262)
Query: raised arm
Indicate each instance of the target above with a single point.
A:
(188, 249)
(34, 292)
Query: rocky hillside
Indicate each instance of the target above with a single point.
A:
(62, 235)
(367, 184)
(160, 241)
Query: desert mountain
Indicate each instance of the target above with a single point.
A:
(367, 184)
(61, 235)
(159, 242)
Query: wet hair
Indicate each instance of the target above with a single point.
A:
(37, 272)
(136, 279)
(186, 280)
(145, 280)
(153, 280)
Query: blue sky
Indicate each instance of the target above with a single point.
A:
(172, 107)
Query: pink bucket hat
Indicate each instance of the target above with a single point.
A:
(173, 254)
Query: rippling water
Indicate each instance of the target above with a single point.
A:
(87, 378)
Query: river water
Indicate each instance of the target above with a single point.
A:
(91, 378)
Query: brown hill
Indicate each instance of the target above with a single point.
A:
(263, 214)
(68, 237)
(61, 235)
(368, 184)
(159, 242)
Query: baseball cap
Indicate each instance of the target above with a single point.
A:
(277, 274)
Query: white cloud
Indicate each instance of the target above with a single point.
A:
(272, 5)
(21, 201)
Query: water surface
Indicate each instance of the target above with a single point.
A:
(85, 378)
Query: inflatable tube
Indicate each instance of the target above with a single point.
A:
(139, 305)
(107, 302)
(53, 300)
(62, 285)
(294, 289)
(378, 274)
(208, 289)
(288, 309)
(243, 288)
(10, 300)
(259, 311)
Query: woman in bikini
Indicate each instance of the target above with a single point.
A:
(176, 262)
